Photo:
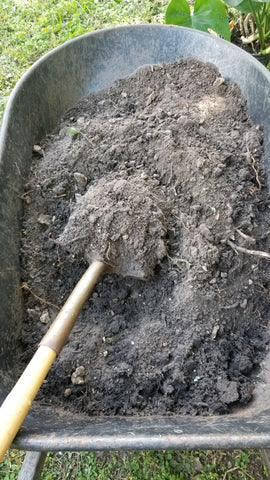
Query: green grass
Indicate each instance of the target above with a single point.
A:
(170, 465)
(29, 29)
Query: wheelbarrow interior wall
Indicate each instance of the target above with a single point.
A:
(55, 83)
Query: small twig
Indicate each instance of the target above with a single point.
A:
(42, 300)
(246, 237)
(229, 307)
(253, 163)
(178, 261)
(72, 240)
(257, 253)
(229, 471)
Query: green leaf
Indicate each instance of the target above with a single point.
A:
(211, 14)
(178, 13)
(233, 3)
(244, 5)
(207, 15)
(72, 132)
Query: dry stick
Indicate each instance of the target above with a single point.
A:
(229, 471)
(42, 300)
(253, 163)
(257, 253)
(233, 470)
(246, 237)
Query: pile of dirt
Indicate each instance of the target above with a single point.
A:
(120, 222)
(190, 339)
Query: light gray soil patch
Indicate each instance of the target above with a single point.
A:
(120, 222)
(190, 339)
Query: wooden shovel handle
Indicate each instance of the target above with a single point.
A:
(17, 404)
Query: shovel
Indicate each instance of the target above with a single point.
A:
(118, 226)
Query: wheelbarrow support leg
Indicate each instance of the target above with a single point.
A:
(265, 452)
(32, 466)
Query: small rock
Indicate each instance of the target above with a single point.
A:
(244, 304)
(219, 81)
(44, 219)
(77, 377)
(223, 274)
(80, 178)
(144, 176)
(202, 131)
(80, 121)
(67, 392)
(45, 317)
(34, 314)
(214, 332)
(151, 98)
(78, 197)
(37, 149)
(27, 199)
(228, 390)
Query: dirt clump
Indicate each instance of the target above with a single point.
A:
(118, 221)
(191, 339)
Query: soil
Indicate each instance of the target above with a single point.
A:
(120, 222)
(190, 339)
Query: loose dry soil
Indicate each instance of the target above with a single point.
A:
(191, 338)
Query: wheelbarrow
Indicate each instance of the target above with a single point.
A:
(52, 85)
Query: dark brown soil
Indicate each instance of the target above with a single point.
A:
(190, 339)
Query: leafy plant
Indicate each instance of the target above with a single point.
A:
(260, 11)
(207, 15)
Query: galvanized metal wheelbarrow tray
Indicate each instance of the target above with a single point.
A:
(53, 84)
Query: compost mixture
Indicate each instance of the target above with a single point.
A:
(191, 338)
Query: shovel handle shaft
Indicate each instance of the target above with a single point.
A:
(17, 404)
(60, 329)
